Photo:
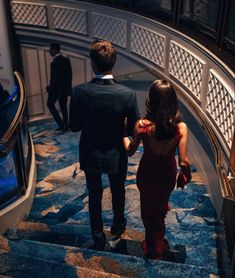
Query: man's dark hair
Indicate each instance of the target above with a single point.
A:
(103, 54)
(55, 46)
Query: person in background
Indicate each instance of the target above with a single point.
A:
(60, 86)
(98, 110)
(161, 131)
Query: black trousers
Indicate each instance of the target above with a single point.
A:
(62, 123)
(95, 191)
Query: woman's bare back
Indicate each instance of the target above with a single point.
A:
(158, 147)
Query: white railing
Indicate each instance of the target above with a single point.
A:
(200, 75)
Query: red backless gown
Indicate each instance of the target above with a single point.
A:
(156, 177)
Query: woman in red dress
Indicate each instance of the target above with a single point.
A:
(161, 131)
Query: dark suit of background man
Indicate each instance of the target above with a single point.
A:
(98, 109)
(60, 86)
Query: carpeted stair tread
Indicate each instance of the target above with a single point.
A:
(81, 233)
(108, 262)
(28, 267)
(184, 248)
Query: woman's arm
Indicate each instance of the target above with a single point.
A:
(183, 157)
(131, 145)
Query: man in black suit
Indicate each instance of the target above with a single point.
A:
(60, 86)
(98, 109)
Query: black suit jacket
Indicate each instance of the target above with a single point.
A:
(98, 110)
(61, 77)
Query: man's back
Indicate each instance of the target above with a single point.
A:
(61, 76)
(99, 109)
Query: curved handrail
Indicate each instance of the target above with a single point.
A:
(226, 188)
(7, 139)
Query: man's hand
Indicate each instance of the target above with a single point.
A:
(48, 88)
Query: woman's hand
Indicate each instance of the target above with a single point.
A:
(131, 145)
(125, 131)
(183, 157)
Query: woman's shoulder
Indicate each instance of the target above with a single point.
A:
(182, 127)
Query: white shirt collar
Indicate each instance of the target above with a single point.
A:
(58, 54)
(101, 76)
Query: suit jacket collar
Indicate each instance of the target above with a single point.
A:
(103, 81)
(57, 55)
(104, 76)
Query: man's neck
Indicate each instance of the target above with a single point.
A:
(56, 55)
(104, 75)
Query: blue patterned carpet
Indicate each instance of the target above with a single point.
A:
(61, 197)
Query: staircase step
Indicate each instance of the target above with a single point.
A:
(80, 233)
(73, 235)
(86, 272)
(184, 244)
(76, 235)
(28, 267)
(190, 237)
(19, 266)
(22, 255)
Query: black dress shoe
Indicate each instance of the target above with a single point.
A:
(153, 257)
(97, 247)
(59, 128)
(118, 229)
(65, 129)
(99, 241)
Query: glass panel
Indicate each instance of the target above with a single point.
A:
(8, 179)
(25, 142)
(203, 11)
(121, 3)
(116, 3)
(231, 22)
(8, 107)
(155, 6)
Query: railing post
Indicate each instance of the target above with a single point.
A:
(204, 86)
(231, 168)
(50, 23)
(89, 24)
(167, 55)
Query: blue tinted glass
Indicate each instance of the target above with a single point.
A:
(8, 180)
(25, 141)
(125, 3)
(121, 3)
(203, 11)
(9, 103)
(231, 22)
(157, 5)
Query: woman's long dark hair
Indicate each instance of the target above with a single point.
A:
(162, 109)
